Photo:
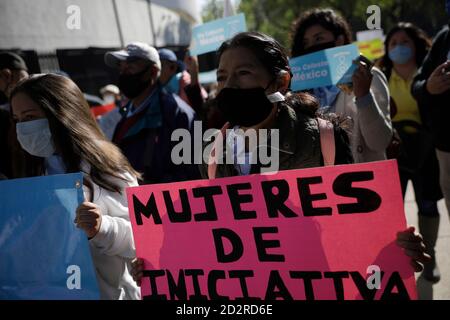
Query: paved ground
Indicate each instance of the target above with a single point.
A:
(426, 290)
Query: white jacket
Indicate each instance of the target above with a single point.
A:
(372, 126)
(112, 248)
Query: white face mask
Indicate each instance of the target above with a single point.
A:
(109, 98)
(276, 97)
(35, 137)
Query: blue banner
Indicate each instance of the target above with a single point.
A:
(323, 68)
(209, 36)
(42, 254)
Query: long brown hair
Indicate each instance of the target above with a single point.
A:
(75, 133)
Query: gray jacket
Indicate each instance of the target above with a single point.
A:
(372, 126)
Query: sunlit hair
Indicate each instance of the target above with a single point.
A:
(266, 49)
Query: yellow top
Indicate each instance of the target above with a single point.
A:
(400, 90)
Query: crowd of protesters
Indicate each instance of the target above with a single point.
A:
(397, 107)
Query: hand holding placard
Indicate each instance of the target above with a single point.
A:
(361, 79)
(299, 234)
(323, 68)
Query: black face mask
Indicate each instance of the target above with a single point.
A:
(319, 47)
(244, 107)
(131, 85)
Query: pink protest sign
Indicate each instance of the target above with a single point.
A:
(321, 233)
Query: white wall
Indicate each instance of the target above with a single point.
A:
(189, 9)
(41, 24)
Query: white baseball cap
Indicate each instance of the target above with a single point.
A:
(110, 88)
(133, 50)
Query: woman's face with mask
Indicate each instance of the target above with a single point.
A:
(240, 68)
(243, 86)
(401, 48)
(25, 109)
(32, 127)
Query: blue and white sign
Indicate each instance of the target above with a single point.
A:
(42, 254)
(209, 36)
(324, 68)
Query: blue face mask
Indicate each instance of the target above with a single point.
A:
(173, 86)
(400, 54)
(35, 137)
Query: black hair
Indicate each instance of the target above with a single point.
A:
(327, 18)
(269, 51)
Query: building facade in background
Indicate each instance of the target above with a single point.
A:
(41, 25)
(46, 33)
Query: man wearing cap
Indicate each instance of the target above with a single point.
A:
(150, 116)
(108, 121)
(110, 94)
(176, 79)
(12, 70)
(173, 76)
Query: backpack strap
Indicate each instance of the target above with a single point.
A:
(327, 142)
(212, 163)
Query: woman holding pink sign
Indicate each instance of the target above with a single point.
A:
(254, 68)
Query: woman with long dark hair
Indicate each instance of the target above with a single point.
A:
(54, 124)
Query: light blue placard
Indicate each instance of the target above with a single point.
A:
(324, 68)
(42, 254)
(209, 36)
